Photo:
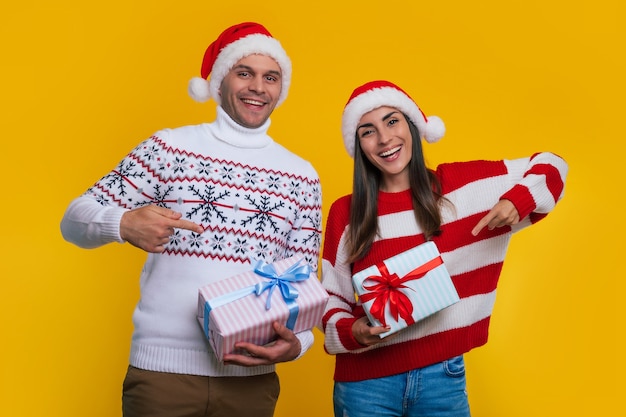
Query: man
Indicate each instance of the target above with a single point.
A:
(205, 201)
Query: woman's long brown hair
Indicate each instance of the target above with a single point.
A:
(425, 190)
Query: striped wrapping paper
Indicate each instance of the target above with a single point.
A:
(405, 288)
(230, 310)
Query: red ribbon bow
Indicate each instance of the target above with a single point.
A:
(388, 289)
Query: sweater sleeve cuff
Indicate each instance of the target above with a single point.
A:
(306, 341)
(344, 329)
(521, 198)
(110, 226)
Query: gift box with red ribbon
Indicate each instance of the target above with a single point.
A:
(405, 288)
(243, 307)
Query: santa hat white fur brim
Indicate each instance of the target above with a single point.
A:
(431, 129)
(201, 90)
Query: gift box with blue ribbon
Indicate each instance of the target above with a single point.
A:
(243, 307)
(405, 288)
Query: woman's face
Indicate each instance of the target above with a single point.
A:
(385, 139)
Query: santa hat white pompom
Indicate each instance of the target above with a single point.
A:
(435, 129)
(199, 89)
(375, 94)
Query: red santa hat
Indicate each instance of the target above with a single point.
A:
(233, 44)
(376, 94)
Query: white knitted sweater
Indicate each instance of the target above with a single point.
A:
(254, 199)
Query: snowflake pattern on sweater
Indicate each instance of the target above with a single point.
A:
(254, 199)
(247, 212)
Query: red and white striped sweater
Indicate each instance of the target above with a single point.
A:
(534, 185)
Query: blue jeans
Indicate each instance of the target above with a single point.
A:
(433, 391)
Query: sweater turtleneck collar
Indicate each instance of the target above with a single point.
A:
(227, 130)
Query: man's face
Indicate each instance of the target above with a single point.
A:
(250, 90)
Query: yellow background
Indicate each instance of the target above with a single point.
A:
(83, 82)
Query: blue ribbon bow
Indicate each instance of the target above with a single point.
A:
(283, 281)
(294, 273)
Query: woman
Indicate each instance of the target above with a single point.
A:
(468, 209)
